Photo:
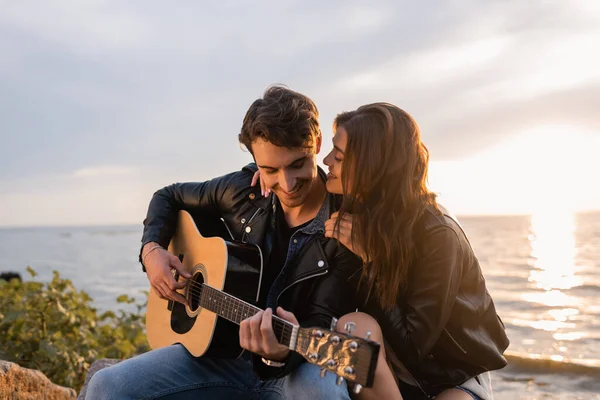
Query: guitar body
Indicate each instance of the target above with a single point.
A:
(228, 266)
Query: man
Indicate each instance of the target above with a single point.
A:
(301, 274)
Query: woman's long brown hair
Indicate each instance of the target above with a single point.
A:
(384, 176)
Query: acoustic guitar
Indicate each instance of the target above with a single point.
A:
(223, 291)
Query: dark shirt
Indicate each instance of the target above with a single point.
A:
(282, 235)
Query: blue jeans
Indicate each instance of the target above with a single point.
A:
(467, 391)
(171, 373)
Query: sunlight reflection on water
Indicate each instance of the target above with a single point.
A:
(553, 254)
(553, 251)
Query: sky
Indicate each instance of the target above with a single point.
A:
(103, 102)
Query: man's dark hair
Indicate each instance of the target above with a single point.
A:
(283, 117)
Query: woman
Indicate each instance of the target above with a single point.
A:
(427, 300)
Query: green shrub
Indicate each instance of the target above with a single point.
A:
(53, 327)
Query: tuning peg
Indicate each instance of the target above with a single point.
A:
(323, 372)
(349, 370)
(318, 334)
(349, 327)
(333, 324)
(353, 345)
(335, 339)
(313, 356)
(368, 336)
(331, 363)
(357, 388)
(339, 380)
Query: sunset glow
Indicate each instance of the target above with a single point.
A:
(545, 169)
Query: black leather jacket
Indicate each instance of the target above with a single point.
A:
(444, 328)
(314, 291)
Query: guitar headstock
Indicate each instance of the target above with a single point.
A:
(347, 356)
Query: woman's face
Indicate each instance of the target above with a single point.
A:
(334, 160)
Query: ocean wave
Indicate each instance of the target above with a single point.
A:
(546, 365)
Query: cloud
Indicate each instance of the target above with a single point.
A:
(91, 86)
(88, 28)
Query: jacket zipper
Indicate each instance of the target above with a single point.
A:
(298, 281)
(455, 342)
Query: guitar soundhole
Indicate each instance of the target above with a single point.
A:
(195, 289)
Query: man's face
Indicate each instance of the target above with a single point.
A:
(288, 172)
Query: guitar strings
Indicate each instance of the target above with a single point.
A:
(228, 302)
(197, 290)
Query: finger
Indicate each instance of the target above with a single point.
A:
(264, 188)
(179, 298)
(344, 230)
(330, 233)
(255, 178)
(266, 331)
(254, 323)
(256, 339)
(172, 284)
(178, 285)
(346, 222)
(159, 292)
(329, 225)
(173, 295)
(334, 215)
(245, 335)
(164, 290)
(288, 316)
(334, 231)
(334, 222)
(346, 219)
(175, 263)
(170, 294)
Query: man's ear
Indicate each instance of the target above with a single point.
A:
(249, 149)
(319, 142)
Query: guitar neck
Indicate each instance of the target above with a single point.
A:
(235, 310)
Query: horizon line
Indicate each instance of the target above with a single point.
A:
(100, 225)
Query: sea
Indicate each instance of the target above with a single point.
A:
(542, 270)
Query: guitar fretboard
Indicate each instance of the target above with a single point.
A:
(236, 310)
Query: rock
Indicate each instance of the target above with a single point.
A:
(18, 383)
(95, 367)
